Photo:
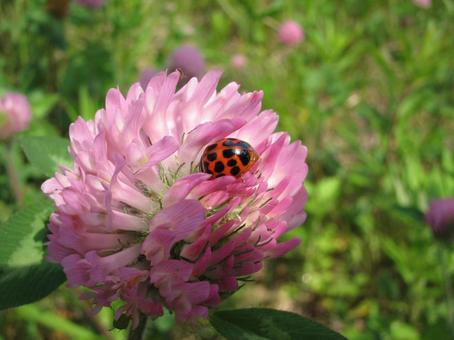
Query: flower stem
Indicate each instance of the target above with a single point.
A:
(138, 332)
(96, 323)
(13, 178)
(444, 255)
(147, 334)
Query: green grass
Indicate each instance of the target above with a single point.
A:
(370, 92)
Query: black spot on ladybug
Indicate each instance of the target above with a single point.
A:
(219, 175)
(231, 162)
(212, 156)
(244, 145)
(228, 142)
(227, 153)
(235, 171)
(219, 167)
(211, 147)
(245, 157)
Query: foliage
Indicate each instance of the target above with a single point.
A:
(21, 257)
(369, 92)
(261, 323)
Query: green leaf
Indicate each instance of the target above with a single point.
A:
(24, 275)
(41, 103)
(46, 153)
(21, 236)
(28, 284)
(262, 323)
(403, 331)
(165, 323)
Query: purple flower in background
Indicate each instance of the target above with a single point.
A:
(91, 3)
(423, 3)
(146, 76)
(291, 33)
(188, 60)
(440, 216)
(15, 114)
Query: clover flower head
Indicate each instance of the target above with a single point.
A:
(440, 217)
(15, 114)
(135, 218)
(238, 61)
(291, 33)
(188, 60)
(423, 3)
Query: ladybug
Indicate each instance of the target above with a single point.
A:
(228, 157)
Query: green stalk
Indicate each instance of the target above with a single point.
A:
(54, 322)
(138, 332)
(444, 256)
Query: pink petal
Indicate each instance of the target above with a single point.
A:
(181, 188)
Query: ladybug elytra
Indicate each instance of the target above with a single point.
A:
(228, 157)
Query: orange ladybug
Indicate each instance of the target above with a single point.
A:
(228, 157)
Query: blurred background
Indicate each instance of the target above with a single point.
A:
(367, 85)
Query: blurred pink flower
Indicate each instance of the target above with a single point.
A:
(146, 76)
(291, 33)
(423, 3)
(91, 3)
(188, 60)
(238, 61)
(135, 218)
(15, 114)
(440, 217)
